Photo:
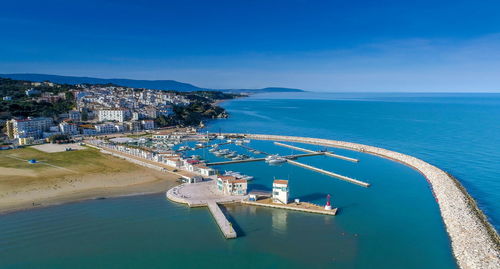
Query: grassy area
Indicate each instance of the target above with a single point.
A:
(80, 161)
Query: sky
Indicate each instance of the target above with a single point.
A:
(349, 45)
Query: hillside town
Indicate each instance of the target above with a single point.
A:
(97, 110)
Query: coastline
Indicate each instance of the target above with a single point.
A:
(475, 243)
(74, 196)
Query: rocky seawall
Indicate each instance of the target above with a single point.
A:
(475, 243)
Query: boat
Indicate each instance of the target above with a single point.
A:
(213, 149)
(238, 158)
(238, 175)
(230, 155)
(195, 157)
(199, 145)
(275, 159)
(184, 148)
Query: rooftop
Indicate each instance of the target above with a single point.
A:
(280, 181)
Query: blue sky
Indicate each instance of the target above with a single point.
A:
(315, 45)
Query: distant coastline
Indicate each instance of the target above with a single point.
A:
(147, 84)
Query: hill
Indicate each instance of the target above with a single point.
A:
(148, 84)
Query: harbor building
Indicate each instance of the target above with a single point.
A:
(280, 191)
(230, 185)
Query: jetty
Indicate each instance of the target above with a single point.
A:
(332, 174)
(205, 194)
(252, 149)
(302, 206)
(295, 156)
(225, 226)
(324, 152)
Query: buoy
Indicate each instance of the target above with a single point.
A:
(328, 206)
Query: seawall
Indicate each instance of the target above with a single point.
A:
(475, 243)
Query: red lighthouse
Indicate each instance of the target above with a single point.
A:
(328, 205)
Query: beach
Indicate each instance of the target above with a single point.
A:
(63, 177)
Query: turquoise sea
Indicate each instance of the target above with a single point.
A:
(393, 224)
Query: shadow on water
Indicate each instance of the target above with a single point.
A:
(259, 187)
(237, 228)
(312, 196)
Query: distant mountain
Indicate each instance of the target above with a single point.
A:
(148, 84)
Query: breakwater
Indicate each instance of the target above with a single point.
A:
(475, 243)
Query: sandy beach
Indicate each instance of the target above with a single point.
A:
(64, 177)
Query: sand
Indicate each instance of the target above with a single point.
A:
(64, 177)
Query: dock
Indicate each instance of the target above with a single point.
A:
(295, 156)
(312, 151)
(302, 206)
(236, 161)
(225, 226)
(348, 179)
(250, 149)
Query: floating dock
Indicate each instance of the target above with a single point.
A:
(263, 159)
(236, 161)
(225, 226)
(348, 179)
(302, 206)
(312, 151)
(250, 149)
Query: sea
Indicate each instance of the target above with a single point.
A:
(395, 223)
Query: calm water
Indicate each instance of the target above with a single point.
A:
(393, 224)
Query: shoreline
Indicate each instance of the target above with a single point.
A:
(81, 195)
(474, 241)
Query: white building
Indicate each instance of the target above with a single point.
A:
(204, 170)
(30, 127)
(280, 191)
(230, 185)
(105, 128)
(175, 162)
(68, 128)
(113, 115)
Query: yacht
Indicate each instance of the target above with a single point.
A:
(275, 159)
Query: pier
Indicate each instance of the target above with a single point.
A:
(236, 161)
(312, 151)
(263, 159)
(302, 206)
(206, 194)
(225, 226)
(250, 149)
(348, 179)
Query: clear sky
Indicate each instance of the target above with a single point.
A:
(346, 45)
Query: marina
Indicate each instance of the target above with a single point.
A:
(324, 152)
(348, 179)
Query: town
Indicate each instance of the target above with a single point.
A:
(99, 110)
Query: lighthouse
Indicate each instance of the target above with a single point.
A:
(328, 206)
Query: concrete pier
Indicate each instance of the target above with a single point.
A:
(236, 161)
(263, 159)
(312, 151)
(225, 226)
(302, 206)
(348, 179)
(249, 148)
